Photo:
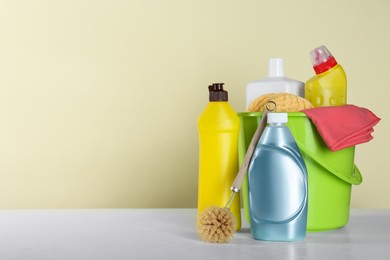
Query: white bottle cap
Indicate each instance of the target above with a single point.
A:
(275, 67)
(320, 55)
(277, 118)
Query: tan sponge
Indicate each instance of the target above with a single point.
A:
(285, 102)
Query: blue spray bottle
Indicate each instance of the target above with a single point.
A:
(277, 185)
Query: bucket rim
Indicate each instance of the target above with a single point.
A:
(353, 177)
(256, 114)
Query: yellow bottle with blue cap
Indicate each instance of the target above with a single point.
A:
(218, 128)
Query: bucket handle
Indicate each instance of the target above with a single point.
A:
(355, 178)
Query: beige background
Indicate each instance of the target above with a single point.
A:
(99, 99)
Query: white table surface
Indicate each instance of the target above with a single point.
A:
(170, 234)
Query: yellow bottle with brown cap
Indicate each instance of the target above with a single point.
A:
(218, 128)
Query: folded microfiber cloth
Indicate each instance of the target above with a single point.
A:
(343, 126)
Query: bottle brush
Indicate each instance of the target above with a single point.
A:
(216, 224)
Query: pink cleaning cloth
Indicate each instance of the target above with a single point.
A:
(343, 126)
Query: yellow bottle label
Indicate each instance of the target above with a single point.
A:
(218, 128)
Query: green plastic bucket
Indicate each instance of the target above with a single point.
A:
(330, 174)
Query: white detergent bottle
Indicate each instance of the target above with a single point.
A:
(275, 83)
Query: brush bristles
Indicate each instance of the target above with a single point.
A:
(216, 225)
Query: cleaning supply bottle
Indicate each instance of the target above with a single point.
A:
(218, 128)
(329, 86)
(278, 187)
(275, 83)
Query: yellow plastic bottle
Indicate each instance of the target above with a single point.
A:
(218, 128)
(329, 86)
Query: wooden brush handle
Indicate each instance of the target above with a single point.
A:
(236, 186)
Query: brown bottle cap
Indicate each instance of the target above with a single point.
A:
(216, 92)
